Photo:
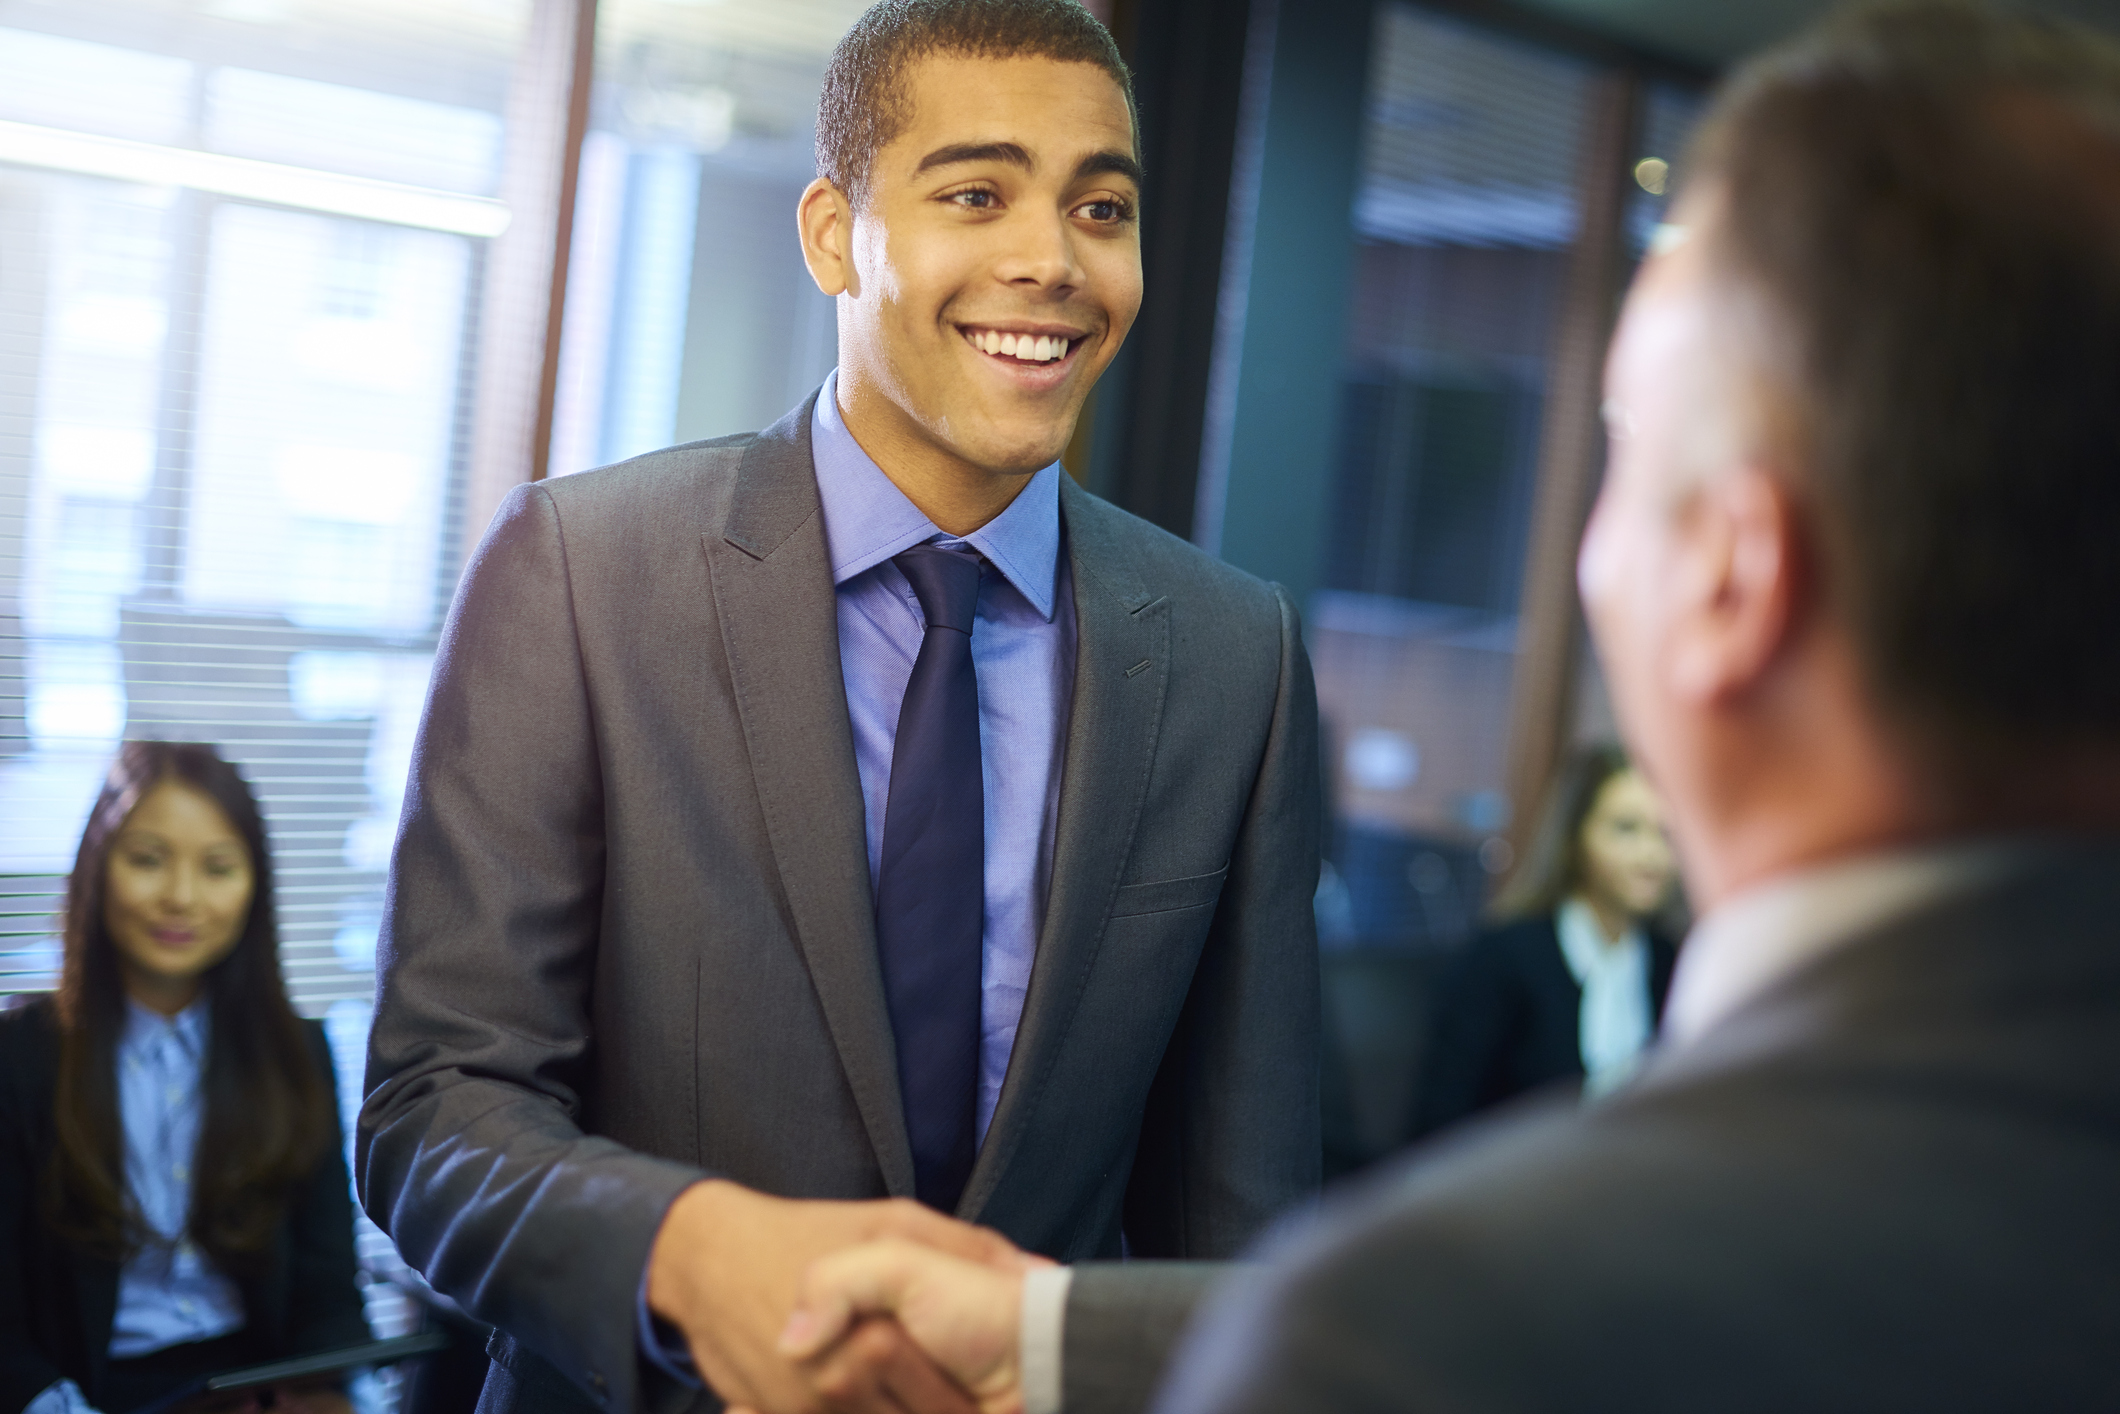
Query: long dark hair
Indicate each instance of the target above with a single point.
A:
(1553, 862)
(267, 1108)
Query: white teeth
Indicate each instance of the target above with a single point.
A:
(1031, 348)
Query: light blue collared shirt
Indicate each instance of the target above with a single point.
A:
(1023, 650)
(168, 1292)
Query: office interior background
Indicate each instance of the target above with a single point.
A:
(291, 291)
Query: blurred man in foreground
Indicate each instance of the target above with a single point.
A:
(1854, 580)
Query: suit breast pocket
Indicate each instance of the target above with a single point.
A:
(1169, 895)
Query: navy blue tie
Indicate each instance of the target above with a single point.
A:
(931, 887)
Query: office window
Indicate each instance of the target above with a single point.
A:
(1466, 210)
(233, 397)
(237, 397)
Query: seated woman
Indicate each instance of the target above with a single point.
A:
(173, 1196)
(1572, 987)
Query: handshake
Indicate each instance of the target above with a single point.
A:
(791, 1307)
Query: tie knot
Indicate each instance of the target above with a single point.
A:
(947, 582)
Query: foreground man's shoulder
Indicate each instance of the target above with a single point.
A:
(1705, 1239)
(1455, 1278)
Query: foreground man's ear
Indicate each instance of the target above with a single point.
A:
(824, 221)
(1739, 583)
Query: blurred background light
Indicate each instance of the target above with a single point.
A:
(153, 164)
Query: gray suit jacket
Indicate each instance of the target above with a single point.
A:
(629, 936)
(1890, 1183)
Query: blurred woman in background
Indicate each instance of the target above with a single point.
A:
(1571, 984)
(173, 1195)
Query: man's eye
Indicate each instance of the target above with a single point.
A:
(976, 200)
(1106, 213)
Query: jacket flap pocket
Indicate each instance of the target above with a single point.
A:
(1169, 895)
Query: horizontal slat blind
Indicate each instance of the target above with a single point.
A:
(240, 251)
(243, 245)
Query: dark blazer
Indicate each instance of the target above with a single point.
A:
(57, 1305)
(629, 940)
(1508, 1020)
(1885, 1184)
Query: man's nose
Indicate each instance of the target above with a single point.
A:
(1042, 253)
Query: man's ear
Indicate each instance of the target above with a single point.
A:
(1741, 583)
(825, 223)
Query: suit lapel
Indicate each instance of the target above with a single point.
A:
(1122, 665)
(773, 594)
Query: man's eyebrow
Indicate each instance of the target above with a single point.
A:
(1110, 161)
(957, 152)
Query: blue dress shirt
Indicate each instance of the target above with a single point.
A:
(168, 1292)
(1023, 649)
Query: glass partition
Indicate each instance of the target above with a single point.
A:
(1467, 207)
(689, 312)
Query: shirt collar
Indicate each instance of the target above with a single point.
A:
(146, 1028)
(1747, 944)
(867, 519)
(1583, 943)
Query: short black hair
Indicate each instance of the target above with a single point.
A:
(864, 104)
(1926, 198)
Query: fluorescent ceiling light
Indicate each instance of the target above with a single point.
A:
(153, 164)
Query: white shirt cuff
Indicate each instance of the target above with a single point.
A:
(1039, 1343)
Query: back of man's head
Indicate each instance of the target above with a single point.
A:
(1925, 201)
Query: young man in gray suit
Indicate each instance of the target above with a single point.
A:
(856, 808)
(1853, 578)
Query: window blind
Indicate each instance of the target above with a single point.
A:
(243, 254)
(240, 247)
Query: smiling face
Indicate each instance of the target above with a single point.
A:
(993, 268)
(178, 883)
(1626, 862)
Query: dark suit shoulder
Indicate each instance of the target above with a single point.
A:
(1883, 1184)
(1163, 562)
(29, 1035)
(29, 1068)
(693, 476)
(1670, 1248)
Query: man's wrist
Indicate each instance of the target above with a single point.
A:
(666, 1280)
(663, 1344)
(1042, 1332)
(688, 1228)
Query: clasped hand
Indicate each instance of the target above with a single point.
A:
(794, 1307)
